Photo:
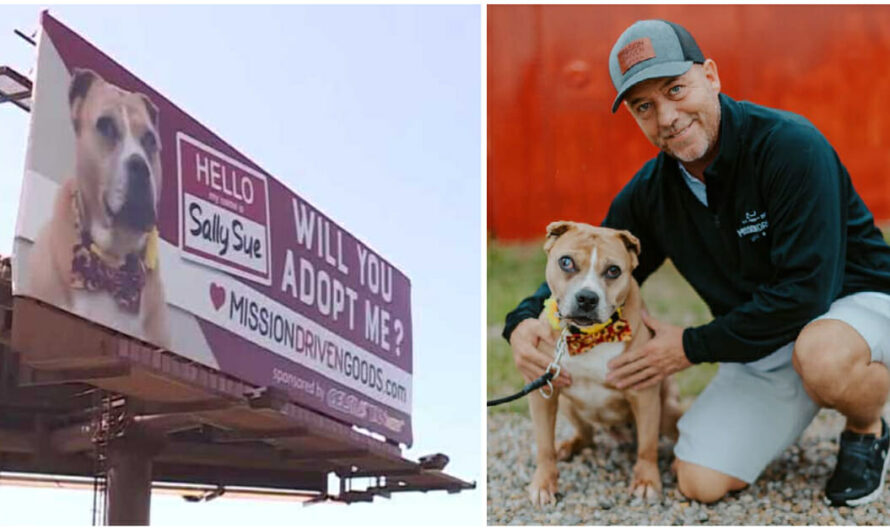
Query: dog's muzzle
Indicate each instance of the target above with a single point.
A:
(138, 211)
(585, 308)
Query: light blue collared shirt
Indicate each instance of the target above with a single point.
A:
(696, 186)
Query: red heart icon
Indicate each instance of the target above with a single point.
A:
(217, 295)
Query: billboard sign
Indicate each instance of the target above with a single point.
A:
(137, 217)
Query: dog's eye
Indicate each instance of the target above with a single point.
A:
(567, 264)
(613, 272)
(149, 142)
(107, 128)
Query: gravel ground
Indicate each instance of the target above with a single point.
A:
(593, 486)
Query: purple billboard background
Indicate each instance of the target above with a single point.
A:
(76, 52)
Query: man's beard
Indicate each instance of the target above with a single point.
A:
(692, 156)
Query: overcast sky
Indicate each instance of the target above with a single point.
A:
(370, 113)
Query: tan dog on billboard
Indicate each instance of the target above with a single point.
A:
(596, 298)
(98, 255)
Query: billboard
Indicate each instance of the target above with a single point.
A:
(135, 216)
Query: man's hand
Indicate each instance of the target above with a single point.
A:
(533, 348)
(649, 364)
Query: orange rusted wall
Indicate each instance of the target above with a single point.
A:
(556, 152)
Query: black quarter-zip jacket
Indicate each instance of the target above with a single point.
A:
(783, 236)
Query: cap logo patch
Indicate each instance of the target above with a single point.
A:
(635, 52)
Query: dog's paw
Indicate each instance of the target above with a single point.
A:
(542, 490)
(569, 448)
(646, 483)
(646, 492)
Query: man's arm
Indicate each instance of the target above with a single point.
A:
(531, 339)
(806, 188)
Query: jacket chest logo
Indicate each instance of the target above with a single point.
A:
(753, 225)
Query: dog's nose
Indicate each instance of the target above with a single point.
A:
(138, 210)
(587, 300)
(139, 173)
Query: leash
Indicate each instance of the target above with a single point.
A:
(572, 340)
(550, 373)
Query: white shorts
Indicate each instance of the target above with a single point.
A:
(749, 413)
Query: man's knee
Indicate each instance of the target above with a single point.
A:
(823, 352)
(703, 484)
(813, 358)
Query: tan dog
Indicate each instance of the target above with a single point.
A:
(589, 273)
(97, 256)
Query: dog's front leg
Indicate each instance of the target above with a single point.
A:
(542, 490)
(646, 406)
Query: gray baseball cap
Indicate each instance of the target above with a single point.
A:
(650, 49)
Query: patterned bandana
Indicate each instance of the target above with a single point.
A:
(93, 270)
(580, 340)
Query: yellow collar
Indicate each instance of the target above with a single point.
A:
(580, 340)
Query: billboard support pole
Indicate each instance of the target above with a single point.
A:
(129, 478)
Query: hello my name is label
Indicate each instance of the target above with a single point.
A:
(224, 211)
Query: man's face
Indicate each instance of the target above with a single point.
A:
(680, 115)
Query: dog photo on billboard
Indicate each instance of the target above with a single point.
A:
(98, 254)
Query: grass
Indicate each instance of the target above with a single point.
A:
(516, 270)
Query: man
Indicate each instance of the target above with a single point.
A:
(757, 212)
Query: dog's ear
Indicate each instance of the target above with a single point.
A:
(633, 247)
(554, 230)
(77, 91)
(152, 110)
